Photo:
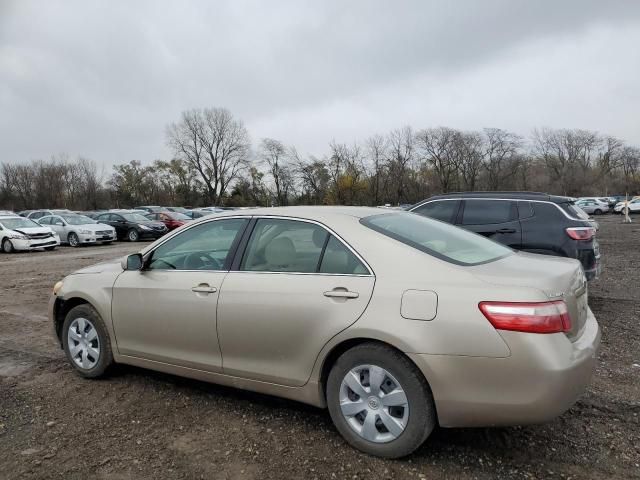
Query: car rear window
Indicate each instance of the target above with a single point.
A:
(436, 238)
(484, 212)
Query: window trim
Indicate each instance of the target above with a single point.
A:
(557, 205)
(241, 251)
(233, 250)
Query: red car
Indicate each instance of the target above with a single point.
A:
(172, 220)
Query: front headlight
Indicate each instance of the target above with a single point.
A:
(144, 227)
(85, 232)
(18, 236)
(57, 287)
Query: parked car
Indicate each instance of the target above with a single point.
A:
(24, 213)
(172, 220)
(634, 206)
(195, 214)
(132, 226)
(178, 210)
(150, 208)
(459, 331)
(19, 233)
(78, 230)
(594, 207)
(528, 221)
(36, 214)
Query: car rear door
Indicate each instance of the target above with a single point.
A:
(295, 286)
(496, 219)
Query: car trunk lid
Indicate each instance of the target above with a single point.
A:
(559, 278)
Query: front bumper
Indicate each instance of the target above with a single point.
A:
(88, 238)
(543, 377)
(35, 244)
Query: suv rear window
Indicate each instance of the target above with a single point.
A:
(438, 239)
(484, 212)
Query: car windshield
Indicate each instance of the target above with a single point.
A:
(18, 222)
(436, 238)
(135, 217)
(77, 219)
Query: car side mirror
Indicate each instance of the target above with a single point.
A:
(132, 262)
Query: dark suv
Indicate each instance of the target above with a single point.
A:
(528, 221)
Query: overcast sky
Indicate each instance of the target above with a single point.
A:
(103, 79)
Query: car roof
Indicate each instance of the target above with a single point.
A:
(308, 212)
(540, 196)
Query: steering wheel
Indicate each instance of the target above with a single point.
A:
(201, 261)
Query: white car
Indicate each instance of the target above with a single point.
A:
(634, 206)
(78, 230)
(19, 233)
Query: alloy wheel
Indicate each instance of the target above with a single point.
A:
(7, 246)
(83, 343)
(374, 404)
(73, 240)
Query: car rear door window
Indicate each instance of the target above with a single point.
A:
(338, 259)
(443, 210)
(45, 221)
(483, 212)
(525, 210)
(279, 245)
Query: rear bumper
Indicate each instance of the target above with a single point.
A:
(542, 378)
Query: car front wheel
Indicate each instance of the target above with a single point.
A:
(86, 342)
(7, 246)
(379, 401)
(133, 235)
(73, 239)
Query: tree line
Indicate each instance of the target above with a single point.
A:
(215, 163)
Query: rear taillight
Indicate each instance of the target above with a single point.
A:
(581, 233)
(538, 317)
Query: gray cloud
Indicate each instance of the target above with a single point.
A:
(103, 79)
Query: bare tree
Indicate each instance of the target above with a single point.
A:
(213, 143)
(274, 154)
(437, 148)
(501, 149)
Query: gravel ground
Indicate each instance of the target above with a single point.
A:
(139, 424)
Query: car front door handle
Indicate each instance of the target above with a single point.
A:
(203, 288)
(506, 230)
(341, 294)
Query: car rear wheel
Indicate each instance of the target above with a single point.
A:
(7, 246)
(86, 342)
(73, 239)
(133, 235)
(597, 211)
(379, 401)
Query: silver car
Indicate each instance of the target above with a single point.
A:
(78, 230)
(395, 322)
(592, 207)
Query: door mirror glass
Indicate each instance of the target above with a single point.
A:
(133, 262)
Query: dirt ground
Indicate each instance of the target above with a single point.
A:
(143, 425)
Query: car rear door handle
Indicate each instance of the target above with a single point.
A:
(203, 288)
(342, 293)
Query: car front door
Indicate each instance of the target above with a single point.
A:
(167, 311)
(294, 288)
(494, 219)
(56, 224)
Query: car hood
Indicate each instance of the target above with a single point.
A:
(102, 267)
(32, 230)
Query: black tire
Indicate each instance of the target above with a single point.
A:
(73, 239)
(49, 249)
(422, 414)
(133, 235)
(597, 211)
(7, 246)
(105, 359)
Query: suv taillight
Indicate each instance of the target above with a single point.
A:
(581, 233)
(536, 317)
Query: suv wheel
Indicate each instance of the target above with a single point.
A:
(86, 342)
(133, 235)
(379, 401)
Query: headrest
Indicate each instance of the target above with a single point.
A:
(280, 252)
